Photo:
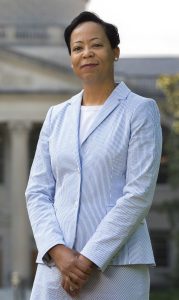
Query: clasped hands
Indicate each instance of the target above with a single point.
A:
(74, 267)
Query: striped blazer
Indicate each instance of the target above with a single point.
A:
(94, 196)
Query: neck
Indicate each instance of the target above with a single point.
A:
(97, 94)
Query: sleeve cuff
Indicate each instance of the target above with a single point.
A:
(46, 258)
(97, 256)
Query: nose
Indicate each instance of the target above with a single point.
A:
(87, 52)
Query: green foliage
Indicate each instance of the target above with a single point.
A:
(172, 294)
(171, 208)
(173, 156)
(170, 107)
(169, 84)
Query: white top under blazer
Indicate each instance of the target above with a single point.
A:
(94, 196)
(87, 117)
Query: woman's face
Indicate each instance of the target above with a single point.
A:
(92, 57)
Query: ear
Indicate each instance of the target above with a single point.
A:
(116, 53)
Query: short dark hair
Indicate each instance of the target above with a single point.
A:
(87, 16)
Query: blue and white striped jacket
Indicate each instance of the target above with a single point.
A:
(94, 197)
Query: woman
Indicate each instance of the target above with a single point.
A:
(93, 178)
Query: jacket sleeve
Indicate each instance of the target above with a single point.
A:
(143, 161)
(40, 196)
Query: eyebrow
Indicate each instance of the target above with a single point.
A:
(95, 38)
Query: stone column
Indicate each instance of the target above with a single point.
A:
(20, 229)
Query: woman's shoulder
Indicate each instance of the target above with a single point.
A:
(56, 112)
(137, 102)
(142, 108)
(67, 102)
(59, 107)
(133, 100)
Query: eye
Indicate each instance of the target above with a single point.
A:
(77, 49)
(97, 45)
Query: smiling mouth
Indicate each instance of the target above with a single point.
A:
(88, 66)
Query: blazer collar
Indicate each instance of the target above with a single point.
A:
(119, 93)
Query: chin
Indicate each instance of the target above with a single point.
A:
(90, 79)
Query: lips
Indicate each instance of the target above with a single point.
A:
(89, 65)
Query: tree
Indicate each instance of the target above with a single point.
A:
(170, 107)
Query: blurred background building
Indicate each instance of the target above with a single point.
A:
(35, 73)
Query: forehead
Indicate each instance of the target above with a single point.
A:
(88, 31)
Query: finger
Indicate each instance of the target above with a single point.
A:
(74, 293)
(63, 279)
(70, 281)
(63, 282)
(77, 274)
(79, 277)
(77, 282)
(74, 282)
(71, 288)
(83, 267)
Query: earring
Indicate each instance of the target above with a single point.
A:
(116, 59)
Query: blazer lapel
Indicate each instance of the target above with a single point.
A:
(119, 93)
(74, 123)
